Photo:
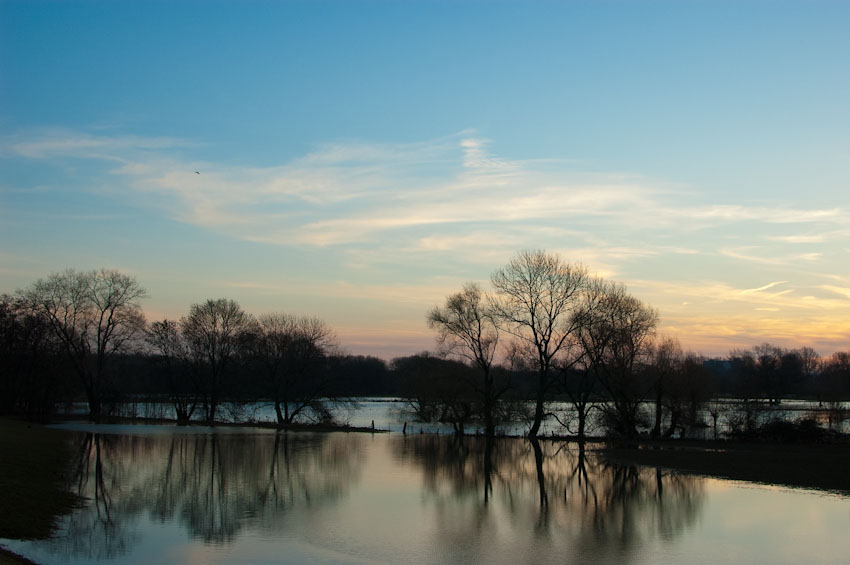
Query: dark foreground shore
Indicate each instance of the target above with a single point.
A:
(9, 558)
(33, 464)
(815, 466)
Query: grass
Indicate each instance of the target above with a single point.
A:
(33, 470)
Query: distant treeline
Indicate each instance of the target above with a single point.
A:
(82, 336)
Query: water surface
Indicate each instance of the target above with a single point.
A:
(225, 495)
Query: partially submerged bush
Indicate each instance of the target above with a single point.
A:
(777, 430)
(618, 424)
(746, 418)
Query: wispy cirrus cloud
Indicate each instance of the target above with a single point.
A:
(777, 215)
(841, 291)
(416, 192)
(756, 255)
(56, 142)
(763, 288)
(819, 237)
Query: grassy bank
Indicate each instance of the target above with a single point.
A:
(817, 466)
(32, 479)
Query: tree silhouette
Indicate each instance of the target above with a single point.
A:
(465, 328)
(215, 331)
(537, 294)
(95, 315)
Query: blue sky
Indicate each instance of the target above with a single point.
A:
(360, 160)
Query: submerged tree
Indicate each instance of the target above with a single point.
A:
(666, 362)
(616, 338)
(292, 353)
(833, 386)
(465, 329)
(769, 372)
(579, 367)
(215, 332)
(690, 392)
(95, 315)
(681, 386)
(537, 295)
(437, 389)
(169, 344)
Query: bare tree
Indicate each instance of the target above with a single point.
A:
(168, 342)
(666, 361)
(94, 314)
(616, 337)
(695, 389)
(834, 386)
(436, 389)
(810, 364)
(579, 368)
(771, 377)
(686, 388)
(769, 372)
(214, 331)
(537, 296)
(465, 329)
(580, 385)
(293, 352)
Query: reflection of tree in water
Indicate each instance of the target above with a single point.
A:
(214, 484)
(458, 478)
(567, 498)
(636, 505)
(452, 465)
(99, 530)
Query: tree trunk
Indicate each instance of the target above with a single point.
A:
(489, 425)
(538, 408)
(212, 408)
(95, 409)
(656, 430)
(674, 422)
(582, 421)
(182, 414)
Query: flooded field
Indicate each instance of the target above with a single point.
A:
(225, 495)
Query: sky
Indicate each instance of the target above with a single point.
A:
(361, 160)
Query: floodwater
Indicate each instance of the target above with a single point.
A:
(392, 414)
(162, 494)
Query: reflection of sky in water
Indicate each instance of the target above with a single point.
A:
(760, 524)
(253, 497)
